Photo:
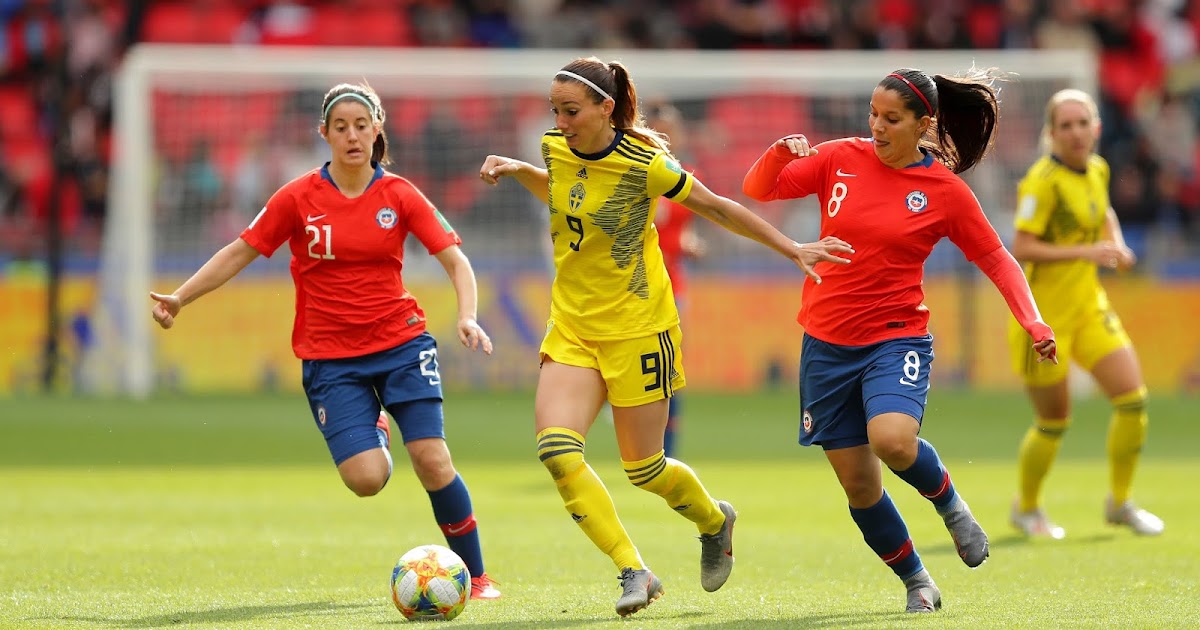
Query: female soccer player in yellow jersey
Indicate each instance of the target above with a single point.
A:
(614, 329)
(1065, 231)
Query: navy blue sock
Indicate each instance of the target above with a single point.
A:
(674, 405)
(886, 534)
(930, 477)
(452, 509)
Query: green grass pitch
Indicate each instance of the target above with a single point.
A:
(226, 512)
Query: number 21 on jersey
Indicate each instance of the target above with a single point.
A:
(320, 244)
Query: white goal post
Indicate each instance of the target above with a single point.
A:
(138, 229)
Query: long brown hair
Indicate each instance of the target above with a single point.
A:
(965, 110)
(613, 78)
(379, 150)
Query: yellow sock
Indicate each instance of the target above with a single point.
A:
(1126, 434)
(1037, 453)
(676, 482)
(585, 497)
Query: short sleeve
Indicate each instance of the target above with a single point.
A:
(1036, 200)
(274, 224)
(425, 221)
(666, 178)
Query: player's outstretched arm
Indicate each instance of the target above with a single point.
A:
(1004, 272)
(534, 179)
(462, 276)
(738, 219)
(1030, 247)
(223, 265)
(760, 181)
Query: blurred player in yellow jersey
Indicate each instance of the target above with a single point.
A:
(614, 328)
(1065, 231)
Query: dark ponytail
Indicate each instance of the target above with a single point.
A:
(965, 109)
(613, 78)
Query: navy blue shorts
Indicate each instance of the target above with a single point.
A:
(842, 387)
(345, 396)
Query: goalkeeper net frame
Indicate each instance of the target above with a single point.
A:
(125, 348)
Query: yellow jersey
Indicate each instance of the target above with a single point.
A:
(1064, 206)
(610, 281)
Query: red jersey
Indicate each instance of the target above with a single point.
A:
(347, 255)
(892, 218)
(672, 220)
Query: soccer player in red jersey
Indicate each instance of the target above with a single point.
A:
(360, 334)
(866, 354)
(678, 241)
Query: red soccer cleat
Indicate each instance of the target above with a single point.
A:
(483, 587)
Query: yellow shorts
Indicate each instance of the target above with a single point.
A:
(636, 371)
(1085, 339)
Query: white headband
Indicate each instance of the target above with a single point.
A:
(353, 95)
(564, 73)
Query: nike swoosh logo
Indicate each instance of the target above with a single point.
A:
(841, 174)
(311, 218)
(453, 531)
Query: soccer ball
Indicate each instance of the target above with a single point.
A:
(430, 582)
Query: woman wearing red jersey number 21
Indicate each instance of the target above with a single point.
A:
(614, 328)
(360, 335)
(866, 353)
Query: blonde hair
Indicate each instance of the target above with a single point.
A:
(1069, 95)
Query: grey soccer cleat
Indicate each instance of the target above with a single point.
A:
(1133, 517)
(1035, 524)
(923, 594)
(969, 538)
(716, 551)
(639, 589)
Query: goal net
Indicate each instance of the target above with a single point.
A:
(203, 135)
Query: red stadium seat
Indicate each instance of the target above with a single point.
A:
(18, 113)
(192, 23)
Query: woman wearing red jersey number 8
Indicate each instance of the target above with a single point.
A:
(360, 334)
(864, 367)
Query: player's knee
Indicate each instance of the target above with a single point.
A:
(898, 451)
(1053, 428)
(1132, 402)
(431, 462)
(367, 473)
(560, 451)
(366, 484)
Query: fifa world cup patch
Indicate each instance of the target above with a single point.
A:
(806, 421)
(386, 218)
(916, 201)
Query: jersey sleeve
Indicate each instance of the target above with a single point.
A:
(1036, 199)
(969, 228)
(275, 223)
(666, 178)
(425, 221)
(780, 175)
(803, 176)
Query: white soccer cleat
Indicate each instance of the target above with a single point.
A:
(1035, 524)
(1137, 519)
